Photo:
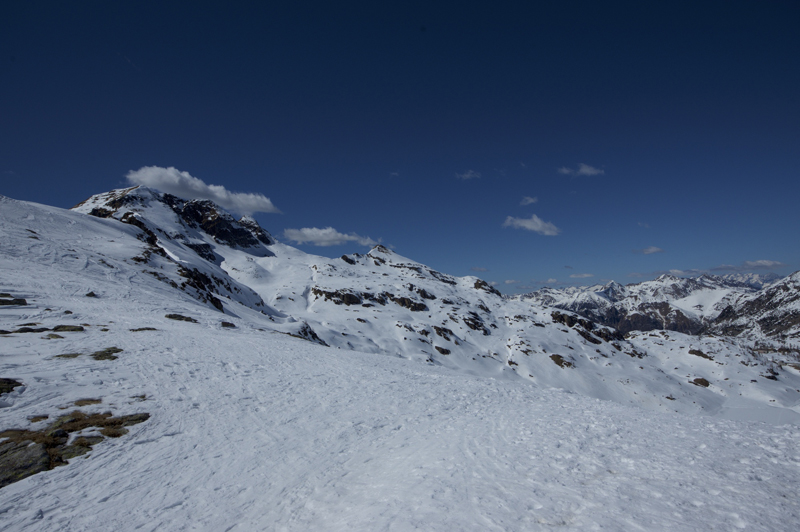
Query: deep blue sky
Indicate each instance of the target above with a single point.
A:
(360, 116)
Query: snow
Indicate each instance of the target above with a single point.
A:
(251, 429)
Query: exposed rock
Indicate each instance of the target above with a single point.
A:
(68, 328)
(560, 361)
(109, 353)
(480, 284)
(7, 385)
(25, 452)
(179, 317)
(21, 459)
(307, 333)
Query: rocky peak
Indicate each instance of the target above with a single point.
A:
(204, 215)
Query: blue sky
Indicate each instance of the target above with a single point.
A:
(667, 127)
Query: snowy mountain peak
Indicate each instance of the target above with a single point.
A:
(175, 216)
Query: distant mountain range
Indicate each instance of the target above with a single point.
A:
(751, 306)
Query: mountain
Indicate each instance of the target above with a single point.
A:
(383, 303)
(771, 313)
(689, 305)
(166, 365)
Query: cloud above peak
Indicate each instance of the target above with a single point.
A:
(469, 174)
(534, 223)
(182, 184)
(527, 200)
(583, 169)
(325, 237)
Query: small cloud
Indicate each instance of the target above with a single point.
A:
(763, 264)
(527, 200)
(642, 224)
(568, 267)
(636, 274)
(173, 181)
(469, 174)
(534, 223)
(325, 237)
(749, 265)
(682, 273)
(493, 283)
(394, 174)
(583, 169)
(551, 280)
(523, 165)
(581, 275)
(479, 269)
(511, 281)
(650, 250)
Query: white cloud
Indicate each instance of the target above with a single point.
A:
(642, 224)
(173, 181)
(510, 281)
(325, 237)
(762, 264)
(534, 223)
(581, 275)
(493, 283)
(394, 174)
(583, 169)
(469, 174)
(527, 200)
(652, 249)
(551, 280)
(479, 269)
(749, 265)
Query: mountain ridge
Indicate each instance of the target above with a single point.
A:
(383, 303)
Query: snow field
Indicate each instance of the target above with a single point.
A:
(253, 430)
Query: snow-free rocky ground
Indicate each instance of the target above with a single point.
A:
(252, 429)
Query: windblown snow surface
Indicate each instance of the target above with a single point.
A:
(251, 429)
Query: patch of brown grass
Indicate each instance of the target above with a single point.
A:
(87, 402)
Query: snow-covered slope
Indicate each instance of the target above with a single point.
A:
(251, 429)
(384, 303)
